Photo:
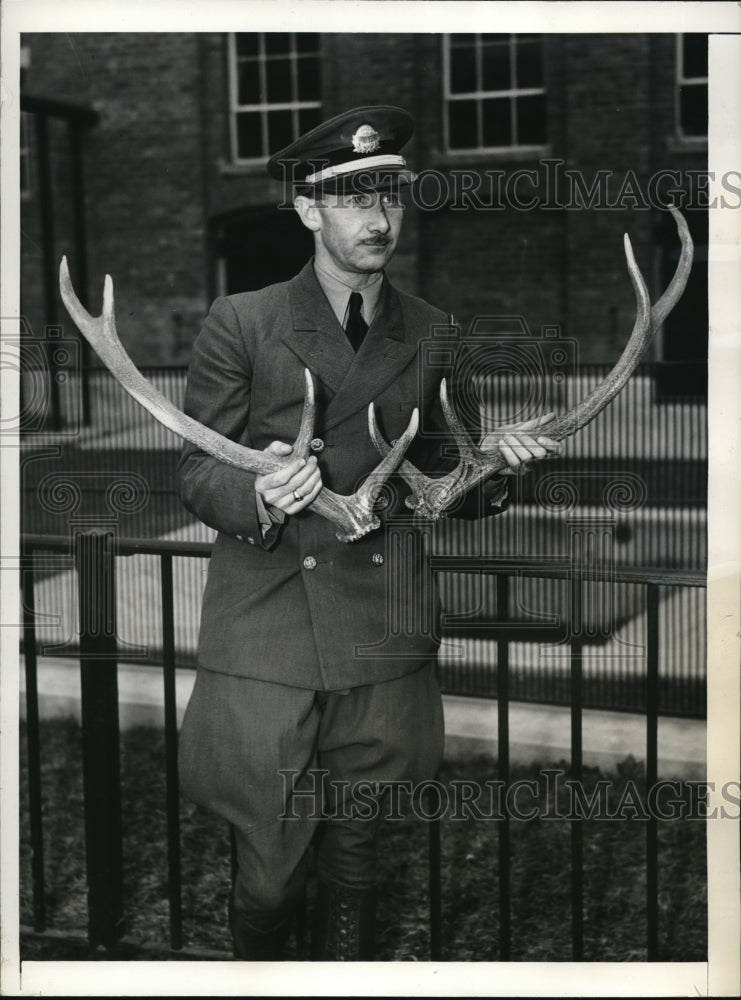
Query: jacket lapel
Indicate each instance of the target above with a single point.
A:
(317, 339)
(383, 354)
(321, 344)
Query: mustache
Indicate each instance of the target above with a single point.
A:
(376, 241)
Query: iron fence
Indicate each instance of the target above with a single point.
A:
(96, 554)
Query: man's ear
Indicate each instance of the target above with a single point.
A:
(308, 212)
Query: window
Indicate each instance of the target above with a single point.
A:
(274, 91)
(494, 92)
(692, 86)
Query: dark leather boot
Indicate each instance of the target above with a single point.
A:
(344, 924)
(253, 945)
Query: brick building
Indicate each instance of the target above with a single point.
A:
(515, 135)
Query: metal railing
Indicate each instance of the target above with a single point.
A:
(95, 555)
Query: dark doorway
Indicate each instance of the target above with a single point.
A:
(257, 247)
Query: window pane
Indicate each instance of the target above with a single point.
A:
(497, 121)
(249, 135)
(529, 64)
(463, 70)
(495, 67)
(456, 40)
(531, 120)
(308, 79)
(695, 55)
(280, 129)
(248, 84)
(308, 118)
(247, 44)
(277, 43)
(278, 76)
(462, 127)
(693, 109)
(495, 38)
(307, 41)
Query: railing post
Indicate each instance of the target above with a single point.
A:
(503, 766)
(652, 718)
(435, 890)
(94, 554)
(33, 738)
(171, 755)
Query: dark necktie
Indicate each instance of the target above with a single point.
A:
(355, 327)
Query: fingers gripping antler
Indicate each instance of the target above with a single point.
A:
(431, 497)
(353, 515)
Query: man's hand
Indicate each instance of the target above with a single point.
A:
(293, 487)
(521, 444)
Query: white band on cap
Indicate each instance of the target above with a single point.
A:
(352, 166)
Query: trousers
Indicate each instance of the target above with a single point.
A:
(284, 765)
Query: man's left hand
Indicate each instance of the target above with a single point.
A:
(522, 443)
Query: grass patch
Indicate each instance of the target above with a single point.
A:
(540, 853)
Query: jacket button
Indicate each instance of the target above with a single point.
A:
(316, 444)
(309, 562)
(377, 558)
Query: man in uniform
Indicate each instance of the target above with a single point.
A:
(299, 674)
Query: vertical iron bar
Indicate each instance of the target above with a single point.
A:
(577, 830)
(505, 905)
(81, 279)
(171, 756)
(46, 199)
(435, 892)
(652, 720)
(33, 743)
(94, 553)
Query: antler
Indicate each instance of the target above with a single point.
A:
(431, 497)
(353, 515)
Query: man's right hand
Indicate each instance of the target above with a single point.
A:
(300, 478)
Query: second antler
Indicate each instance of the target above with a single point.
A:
(353, 515)
(432, 497)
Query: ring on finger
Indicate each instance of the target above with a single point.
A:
(298, 497)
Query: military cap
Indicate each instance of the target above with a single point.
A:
(359, 149)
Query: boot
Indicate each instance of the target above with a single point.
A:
(253, 945)
(344, 924)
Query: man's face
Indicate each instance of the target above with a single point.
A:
(358, 232)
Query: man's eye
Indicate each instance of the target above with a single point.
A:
(391, 201)
(362, 200)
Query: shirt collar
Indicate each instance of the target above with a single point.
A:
(338, 294)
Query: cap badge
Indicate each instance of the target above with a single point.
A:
(366, 140)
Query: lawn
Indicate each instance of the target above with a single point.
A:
(614, 870)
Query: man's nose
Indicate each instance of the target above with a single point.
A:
(378, 223)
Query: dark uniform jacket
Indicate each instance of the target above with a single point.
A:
(300, 607)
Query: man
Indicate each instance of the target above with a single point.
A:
(300, 673)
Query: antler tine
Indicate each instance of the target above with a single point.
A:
(306, 430)
(432, 496)
(585, 411)
(102, 335)
(352, 515)
(466, 447)
(673, 291)
(393, 456)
